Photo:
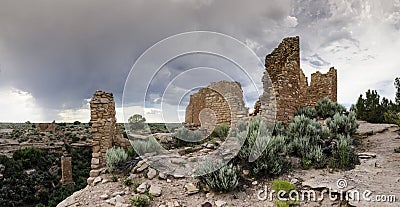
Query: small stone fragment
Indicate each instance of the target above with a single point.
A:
(97, 180)
(155, 190)
(152, 173)
(220, 203)
(142, 187)
(191, 188)
(104, 196)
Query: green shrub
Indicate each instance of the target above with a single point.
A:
(326, 108)
(304, 133)
(325, 133)
(283, 185)
(307, 111)
(343, 124)
(279, 128)
(114, 179)
(143, 146)
(128, 182)
(74, 138)
(343, 155)
(259, 143)
(317, 157)
(130, 151)
(224, 179)
(221, 131)
(140, 201)
(392, 117)
(20, 189)
(248, 133)
(114, 158)
(279, 203)
(305, 163)
(273, 160)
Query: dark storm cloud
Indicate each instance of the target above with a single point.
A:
(62, 51)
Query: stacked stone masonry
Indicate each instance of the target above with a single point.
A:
(105, 131)
(46, 127)
(66, 171)
(220, 102)
(286, 89)
(290, 85)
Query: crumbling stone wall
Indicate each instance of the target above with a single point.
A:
(290, 85)
(47, 127)
(66, 171)
(105, 130)
(322, 85)
(286, 89)
(223, 101)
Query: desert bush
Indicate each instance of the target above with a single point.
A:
(187, 137)
(226, 178)
(258, 142)
(114, 158)
(140, 201)
(343, 124)
(247, 134)
(303, 133)
(221, 131)
(307, 111)
(283, 185)
(128, 182)
(325, 134)
(317, 157)
(279, 128)
(343, 155)
(304, 126)
(326, 108)
(114, 179)
(272, 161)
(143, 146)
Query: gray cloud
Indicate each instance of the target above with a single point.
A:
(62, 51)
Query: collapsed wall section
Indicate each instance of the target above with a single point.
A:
(223, 99)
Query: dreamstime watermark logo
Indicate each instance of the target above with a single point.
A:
(332, 194)
(161, 81)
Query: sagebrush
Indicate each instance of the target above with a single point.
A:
(114, 158)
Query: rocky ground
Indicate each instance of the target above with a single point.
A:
(378, 172)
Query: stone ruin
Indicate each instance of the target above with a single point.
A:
(105, 131)
(286, 89)
(46, 127)
(66, 171)
(290, 85)
(220, 102)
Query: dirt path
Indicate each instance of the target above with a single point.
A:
(380, 174)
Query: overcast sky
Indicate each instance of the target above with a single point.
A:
(55, 54)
